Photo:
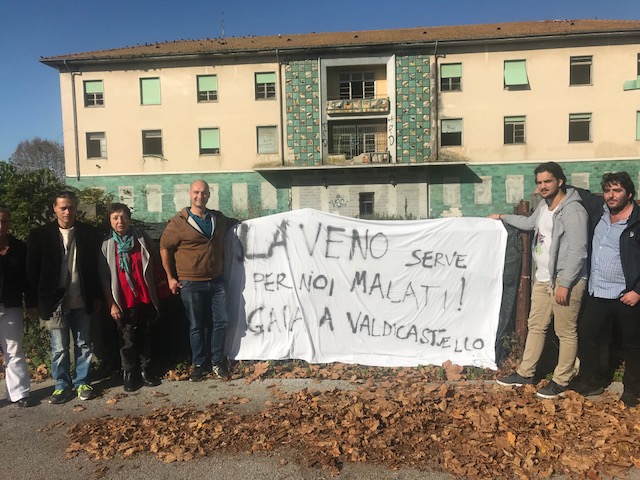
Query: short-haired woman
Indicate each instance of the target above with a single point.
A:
(128, 274)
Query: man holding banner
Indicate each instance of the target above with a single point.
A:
(559, 249)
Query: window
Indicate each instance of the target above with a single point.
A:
(267, 139)
(514, 130)
(152, 142)
(353, 140)
(207, 88)
(579, 127)
(450, 77)
(93, 93)
(357, 85)
(150, 91)
(451, 132)
(580, 71)
(515, 75)
(96, 145)
(366, 204)
(209, 141)
(265, 85)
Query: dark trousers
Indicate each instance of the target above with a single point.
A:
(135, 336)
(600, 319)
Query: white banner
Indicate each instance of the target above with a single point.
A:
(324, 288)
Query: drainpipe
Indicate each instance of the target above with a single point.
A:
(75, 117)
(435, 115)
(282, 99)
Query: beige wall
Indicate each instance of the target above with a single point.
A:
(483, 103)
(236, 114)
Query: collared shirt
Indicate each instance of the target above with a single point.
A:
(607, 277)
(206, 225)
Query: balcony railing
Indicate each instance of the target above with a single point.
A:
(367, 157)
(347, 106)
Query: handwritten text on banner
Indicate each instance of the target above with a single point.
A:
(325, 288)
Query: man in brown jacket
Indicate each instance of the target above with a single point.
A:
(192, 251)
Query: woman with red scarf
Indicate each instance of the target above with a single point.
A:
(128, 273)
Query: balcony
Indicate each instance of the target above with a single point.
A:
(363, 158)
(358, 106)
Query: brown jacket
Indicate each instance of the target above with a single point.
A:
(197, 258)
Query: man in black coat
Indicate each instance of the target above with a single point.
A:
(62, 265)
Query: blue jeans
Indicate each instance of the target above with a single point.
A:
(206, 307)
(79, 322)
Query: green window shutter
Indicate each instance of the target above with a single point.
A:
(637, 125)
(93, 86)
(265, 78)
(452, 125)
(451, 70)
(209, 138)
(208, 83)
(580, 116)
(632, 84)
(150, 90)
(515, 73)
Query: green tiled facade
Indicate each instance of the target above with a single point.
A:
(222, 183)
(498, 174)
(413, 113)
(303, 111)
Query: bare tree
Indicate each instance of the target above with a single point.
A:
(37, 154)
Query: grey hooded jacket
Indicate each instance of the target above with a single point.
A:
(568, 255)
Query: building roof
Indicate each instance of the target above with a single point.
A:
(354, 39)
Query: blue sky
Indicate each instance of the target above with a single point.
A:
(30, 29)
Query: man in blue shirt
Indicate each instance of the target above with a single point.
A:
(614, 287)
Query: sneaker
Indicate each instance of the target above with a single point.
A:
(198, 374)
(220, 370)
(514, 380)
(629, 399)
(86, 392)
(551, 390)
(61, 396)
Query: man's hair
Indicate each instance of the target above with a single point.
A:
(119, 207)
(4, 209)
(554, 169)
(619, 178)
(68, 194)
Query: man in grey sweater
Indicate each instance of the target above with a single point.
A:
(559, 226)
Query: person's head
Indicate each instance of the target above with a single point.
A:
(618, 190)
(550, 180)
(5, 221)
(199, 194)
(65, 208)
(119, 218)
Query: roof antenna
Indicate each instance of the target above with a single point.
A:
(222, 25)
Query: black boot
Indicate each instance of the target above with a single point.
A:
(149, 380)
(131, 381)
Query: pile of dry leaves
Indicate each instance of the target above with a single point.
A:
(472, 430)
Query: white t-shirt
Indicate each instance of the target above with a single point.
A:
(542, 245)
(73, 295)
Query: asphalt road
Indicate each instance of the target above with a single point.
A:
(33, 440)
